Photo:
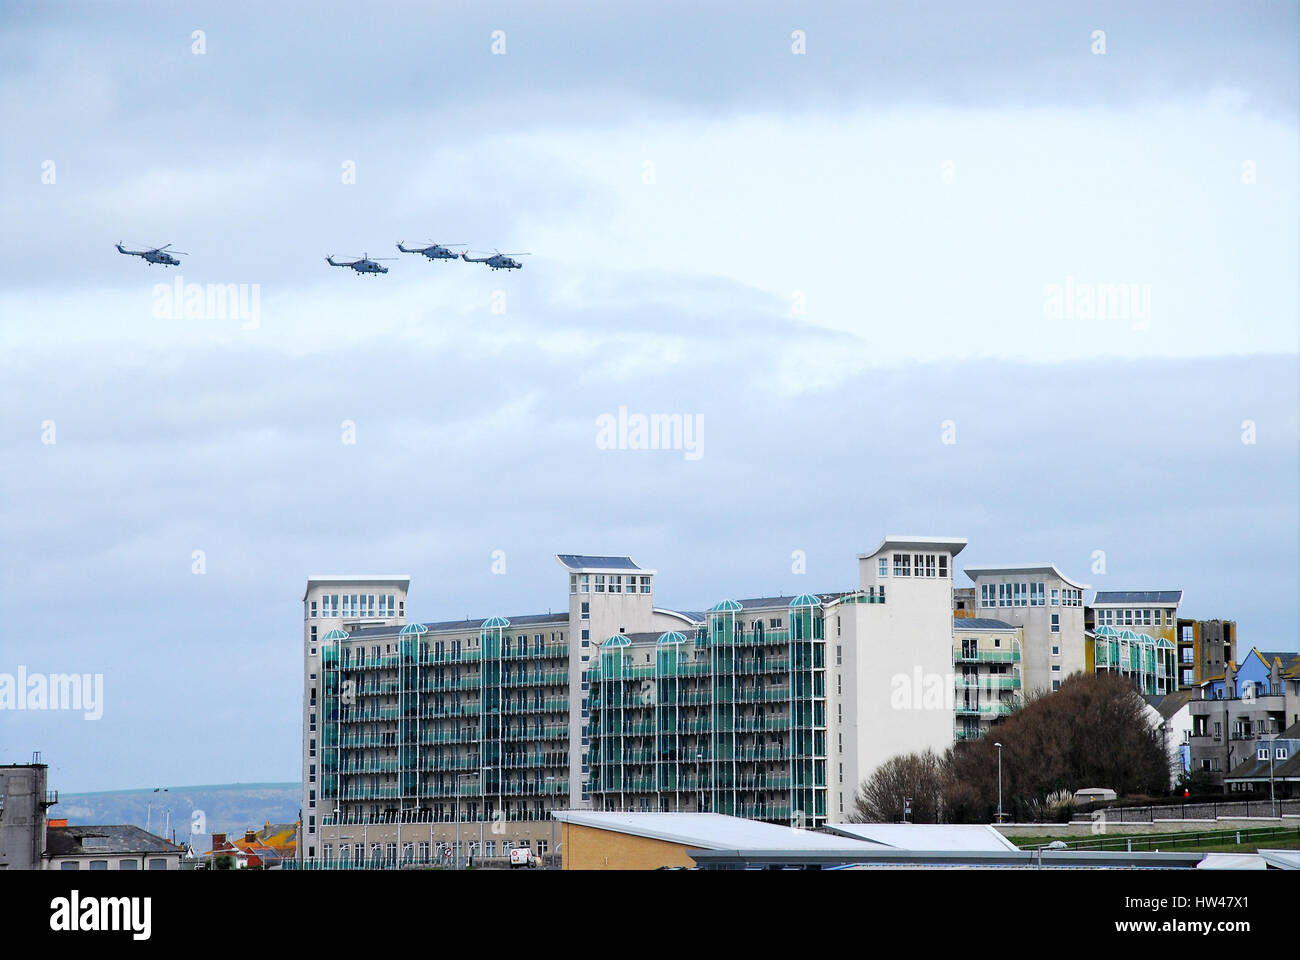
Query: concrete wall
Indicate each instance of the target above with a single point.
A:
(22, 825)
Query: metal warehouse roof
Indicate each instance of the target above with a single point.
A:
(713, 831)
(927, 836)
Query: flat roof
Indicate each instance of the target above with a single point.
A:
(903, 541)
(1137, 596)
(404, 579)
(713, 831)
(976, 572)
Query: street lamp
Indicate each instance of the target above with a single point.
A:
(999, 746)
(1272, 804)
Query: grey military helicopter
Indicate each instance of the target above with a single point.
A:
(498, 260)
(367, 263)
(154, 255)
(434, 251)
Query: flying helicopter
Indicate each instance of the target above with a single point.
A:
(434, 251)
(154, 255)
(498, 260)
(367, 263)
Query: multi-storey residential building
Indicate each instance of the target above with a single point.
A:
(1205, 647)
(413, 732)
(424, 741)
(1048, 607)
(989, 682)
(730, 720)
(1255, 701)
(778, 707)
(1132, 632)
(335, 605)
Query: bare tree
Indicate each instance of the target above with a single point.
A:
(917, 777)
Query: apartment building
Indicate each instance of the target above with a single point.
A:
(335, 606)
(989, 678)
(1205, 647)
(445, 740)
(1133, 633)
(439, 741)
(1048, 608)
(1251, 702)
(776, 708)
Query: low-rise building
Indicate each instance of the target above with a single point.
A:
(116, 847)
(1274, 768)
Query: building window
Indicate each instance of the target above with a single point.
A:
(645, 584)
(1056, 684)
(584, 583)
(600, 583)
(1056, 651)
(884, 567)
(988, 597)
(616, 584)
(586, 610)
(1056, 623)
(98, 864)
(943, 566)
(902, 564)
(573, 583)
(839, 654)
(69, 865)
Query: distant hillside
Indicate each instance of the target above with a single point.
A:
(193, 814)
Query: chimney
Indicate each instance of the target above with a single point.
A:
(1230, 680)
(218, 841)
(250, 836)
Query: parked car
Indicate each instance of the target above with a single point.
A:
(523, 857)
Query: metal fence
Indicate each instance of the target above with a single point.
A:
(1205, 810)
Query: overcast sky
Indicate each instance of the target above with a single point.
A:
(825, 256)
